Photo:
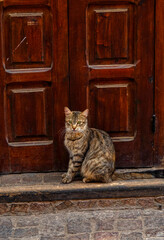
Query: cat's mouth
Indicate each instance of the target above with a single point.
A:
(78, 130)
(75, 130)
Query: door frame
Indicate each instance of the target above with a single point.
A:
(159, 85)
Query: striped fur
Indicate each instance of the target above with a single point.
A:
(91, 150)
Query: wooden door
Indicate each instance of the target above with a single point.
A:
(111, 47)
(110, 71)
(34, 79)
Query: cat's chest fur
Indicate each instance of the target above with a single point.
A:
(76, 143)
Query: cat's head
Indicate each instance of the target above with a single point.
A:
(75, 121)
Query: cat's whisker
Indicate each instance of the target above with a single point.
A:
(61, 132)
(61, 129)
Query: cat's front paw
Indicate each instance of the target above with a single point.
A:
(86, 180)
(66, 178)
(64, 175)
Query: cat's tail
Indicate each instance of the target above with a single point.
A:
(131, 175)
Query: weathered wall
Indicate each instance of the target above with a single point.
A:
(105, 219)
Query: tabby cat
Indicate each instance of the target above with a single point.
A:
(91, 150)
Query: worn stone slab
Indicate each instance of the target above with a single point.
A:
(79, 190)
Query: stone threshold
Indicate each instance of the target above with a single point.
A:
(38, 187)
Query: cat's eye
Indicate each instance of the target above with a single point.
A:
(69, 122)
(80, 122)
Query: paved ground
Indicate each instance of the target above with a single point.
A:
(99, 219)
(124, 219)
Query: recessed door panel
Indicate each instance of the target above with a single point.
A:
(116, 101)
(110, 33)
(27, 38)
(29, 114)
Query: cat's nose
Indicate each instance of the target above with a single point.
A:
(74, 127)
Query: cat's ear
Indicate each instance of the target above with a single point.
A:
(85, 113)
(67, 111)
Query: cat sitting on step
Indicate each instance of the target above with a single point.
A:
(91, 150)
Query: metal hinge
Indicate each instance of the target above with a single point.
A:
(153, 123)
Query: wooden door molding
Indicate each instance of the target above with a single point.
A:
(159, 84)
(4, 153)
(60, 79)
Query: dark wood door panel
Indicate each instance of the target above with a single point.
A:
(27, 38)
(115, 100)
(111, 46)
(27, 61)
(110, 33)
(29, 113)
(35, 77)
(36, 157)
